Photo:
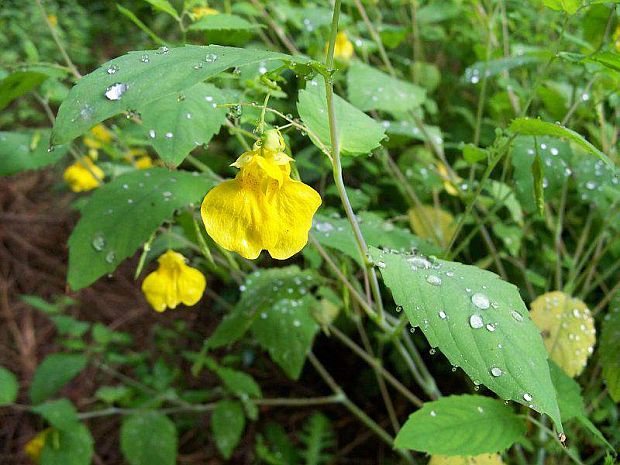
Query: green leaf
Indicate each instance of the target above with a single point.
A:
(538, 179)
(143, 27)
(112, 394)
(568, 393)
(569, 6)
(370, 89)
(317, 436)
(144, 76)
(476, 72)
(409, 130)
(26, 150)
(17, 84)
(473, 154)
(461, 425)
(9, 386)
(335, 233)
(61, 414)
(227, 425)
(149, 438)
(239, 383)
(122, 214)
(68, 447)
(536, 127)
(53, 373)
(276, 305)
(60, 303)
(555, 155)
(358, 133)
(165, 6)
(610, 348)
(222, 22)
(68, 326)
(478, 321)
(178, 123)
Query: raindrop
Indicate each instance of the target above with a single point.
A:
(210, 58)
(554, 151)
(162, 50)
(98, 242)
(496, 372)
(145, 58)
(434, 280)
(125, 186)
(167, 194)
(152, 133)
(432, 351)
(516, 315)
(168, 135)
(399, 308)
(527, 397)
(263, 315)
(480, 300)
(110, 257)
(490, 327)
(116, 91)
(87, 112)
(381, 264)
(433, 413)
(442, 315)
(591, 185)
(475, 321)
(112, 69)
(129, 201)
(188, 115)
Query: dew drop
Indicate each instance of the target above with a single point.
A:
(112, 69)
(496, 372)
(480, 300)
(442, 315)
(433, 413)
(210, 58)
(145, 58)
(490, 327)
(399, 308)
(98, 242)
(516, 315)
(168, 135)
(110, 257)
(152, 133)
(162, 50)
(434, 280)
(475, 321)
(527, 397)
(116, 91)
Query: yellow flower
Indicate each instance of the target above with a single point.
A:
(98, 137)
(201, 11)
(144, 162)
(262, 208)
(53, 19)
(343, 48)
(447, 180)
(34, 447)
(139, 158)
(83, 175)
(617, 38)
(174, 282)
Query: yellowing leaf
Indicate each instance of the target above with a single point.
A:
(567, 328)
(484, 459)
(433, 223)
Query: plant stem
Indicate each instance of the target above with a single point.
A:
(337, 167)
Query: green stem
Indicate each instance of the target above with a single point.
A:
(337, 167)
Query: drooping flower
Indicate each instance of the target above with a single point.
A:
(83, 175)
(262, 208)
(200, 11)
(343, 48)
(139, 158)
(97, 137)
(34, 447)
(173, 283)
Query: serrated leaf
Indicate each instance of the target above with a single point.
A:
(8, 386)
(17, 84)
(223, 22)
(61, 414)
(610, 349)
(478, 321)
(569, 6)
(148, 75)
(53, 373)
(26, 150)
(317, 436)
(122, 214)
(473, 154)
(567, 328)
(239, 383)
(484, 459)
(568, 393)
(536, 127)
(358, 133)
(149, 438)
(178, 123)
(68, 447)
(276, 305)
(227, 425)
(370, 89)
(336, 233)
(461, 425)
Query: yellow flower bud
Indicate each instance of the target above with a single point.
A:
(173, 283)
(34, 447)
(200, 11)
(98, 137)
(83, 175)
(343, 48)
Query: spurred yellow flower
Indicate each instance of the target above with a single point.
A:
(34, 447)
(83, 175)
(201, 11)
(174, 282)
(343, 48)
(262, 208)
(97, 137)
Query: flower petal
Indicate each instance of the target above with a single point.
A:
(295, 203)
(191, 284)
(237, 217)
(160, 290)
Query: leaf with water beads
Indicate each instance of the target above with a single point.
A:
(486, 329)
(121, 215)
(567, 328)
(143, 76)
(461, 425)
